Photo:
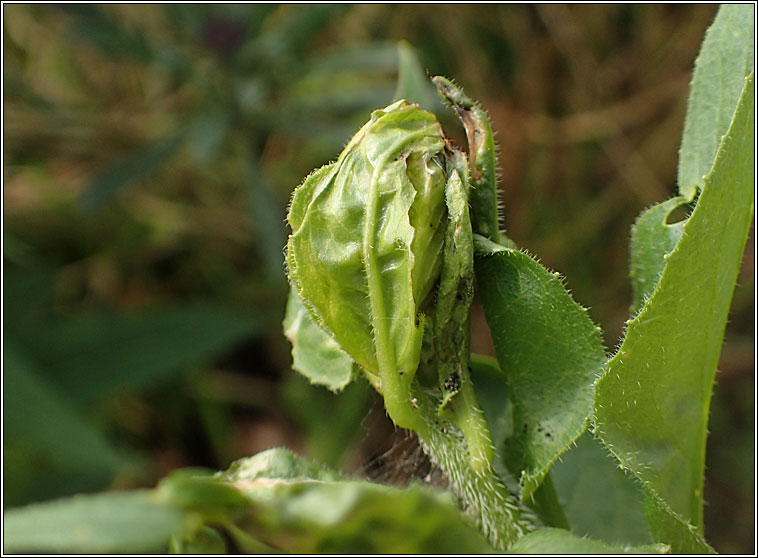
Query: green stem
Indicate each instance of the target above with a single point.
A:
(481, 490)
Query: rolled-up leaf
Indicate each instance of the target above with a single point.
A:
(366, 246)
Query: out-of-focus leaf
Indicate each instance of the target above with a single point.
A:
(339, 94)
(302, 508)
(652, 239)
(289, 29)
(280, 464)
(204, 540)
(651, 405)
(208, 132)
(199, 490)
(364, 58)
(599, 499)
(137, 165)
(315, 354)
(94, 355)
(548, 348)
(95, 27)
(132, 522)
(17, 251)
(266, 215)
(413, 85)
(46, 437)
(27, 297)
(726, 58)
(559, 541)
(329, 422)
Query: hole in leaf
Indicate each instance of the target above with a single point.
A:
(682, 212)
(679, 214)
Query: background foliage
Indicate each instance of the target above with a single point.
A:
(150, 152)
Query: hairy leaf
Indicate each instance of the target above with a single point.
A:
(558, 541)
(601, 501)
(652, 239)
(651, 406)
(549, 350)
(726, 58)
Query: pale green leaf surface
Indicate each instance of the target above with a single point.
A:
(315, 354)
(599, 499)
(559, 541)
(651, 406)
(652, 238)
(725, 59)
(302, 507)
(549, 350)
(105, 523)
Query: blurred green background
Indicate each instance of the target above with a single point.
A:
(150, 152)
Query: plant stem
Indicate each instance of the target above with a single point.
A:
(475, 482)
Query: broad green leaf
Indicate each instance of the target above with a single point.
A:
(559, 541)
(651, 405)
(549, 350)
(126, 522)
(652, 239)
(93, 355)
(46, 439)
(726, 58)
(315, 354)
(301, 507)
(134, 166)
(412, 83)
(600, 500)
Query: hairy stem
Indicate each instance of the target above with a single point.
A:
(483, 494)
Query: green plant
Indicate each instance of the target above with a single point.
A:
(406, 329)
